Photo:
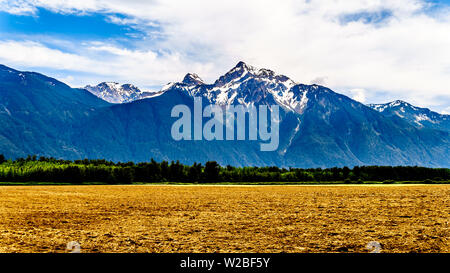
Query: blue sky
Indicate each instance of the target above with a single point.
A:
(88, 26)
(373, 51)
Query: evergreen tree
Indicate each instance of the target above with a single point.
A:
(345, 172)
(212, 170)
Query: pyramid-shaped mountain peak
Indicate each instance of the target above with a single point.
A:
(192, 79)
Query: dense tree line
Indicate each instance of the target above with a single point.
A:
(45, 169)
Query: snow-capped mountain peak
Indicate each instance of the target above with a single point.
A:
(192, 79)
(242, 72)
(114, 92)
(246, 84)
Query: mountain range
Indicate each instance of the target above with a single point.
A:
(318, 127)
(416, 116)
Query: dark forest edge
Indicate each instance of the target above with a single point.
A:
(50, 171)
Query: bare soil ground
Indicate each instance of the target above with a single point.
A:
(225, 218)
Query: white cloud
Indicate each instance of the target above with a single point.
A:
(320, 81)
(37, 55)
(407, 54)
(146, 68)
(358, 94)
(446, 111)
(17, 7)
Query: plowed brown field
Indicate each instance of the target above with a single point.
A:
(225, 218)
